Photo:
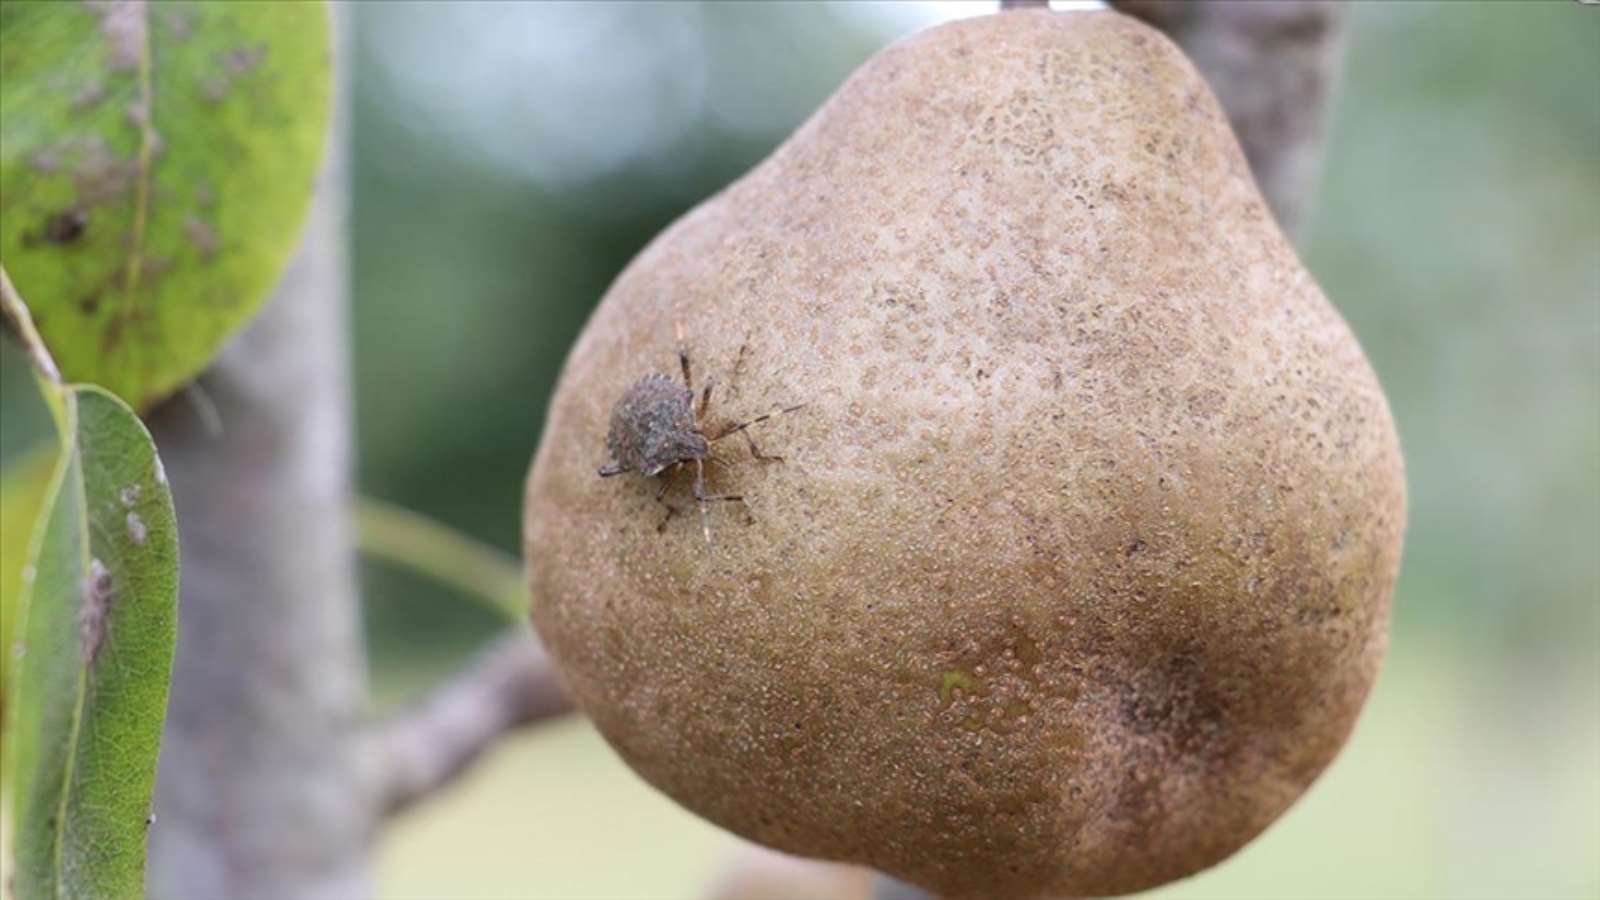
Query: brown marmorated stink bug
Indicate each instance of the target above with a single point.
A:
(657, 427)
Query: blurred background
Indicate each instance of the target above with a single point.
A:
(510, 159)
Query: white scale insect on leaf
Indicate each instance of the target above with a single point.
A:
(97, 596)
(136, 530)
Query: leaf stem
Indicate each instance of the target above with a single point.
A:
(414, 541)
(16, 315)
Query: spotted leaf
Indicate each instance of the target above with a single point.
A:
(156, 165)
(97, 626)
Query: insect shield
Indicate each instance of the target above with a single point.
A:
(657, 427)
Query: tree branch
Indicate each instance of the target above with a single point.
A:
(512, 683)
(1273, 65)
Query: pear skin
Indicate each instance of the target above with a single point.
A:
(1076, 570)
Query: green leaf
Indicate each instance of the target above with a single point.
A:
(156, 165)
(99, 621)
(23, 485)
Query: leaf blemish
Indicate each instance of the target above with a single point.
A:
(242, 60)
(236, 64)
(178, 26)
(45, 160)
(88, 98)
(129, 495)
(201, 235)
(99, 175)
(97, 597)
(122, 22)
(66, 227)
(136, 530)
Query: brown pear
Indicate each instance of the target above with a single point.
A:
(1076, 567)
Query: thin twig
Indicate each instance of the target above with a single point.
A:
(16, 315)
(205, 409)
(512, 683)
(412, 540)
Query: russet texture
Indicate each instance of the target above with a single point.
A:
(1078, 568)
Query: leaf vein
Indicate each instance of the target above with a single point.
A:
(147, 142)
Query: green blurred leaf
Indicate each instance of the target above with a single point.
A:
(23, 485)
(99, 620)
(156, 166)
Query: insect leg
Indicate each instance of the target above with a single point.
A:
(661, 493)
(700, 494)
(756, 451)
(612, 469)
(700, 497)
(671, 510)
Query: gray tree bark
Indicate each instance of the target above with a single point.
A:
(262, 789)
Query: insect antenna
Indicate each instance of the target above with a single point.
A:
(735, 429)
(683, 358)
(701, 498)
